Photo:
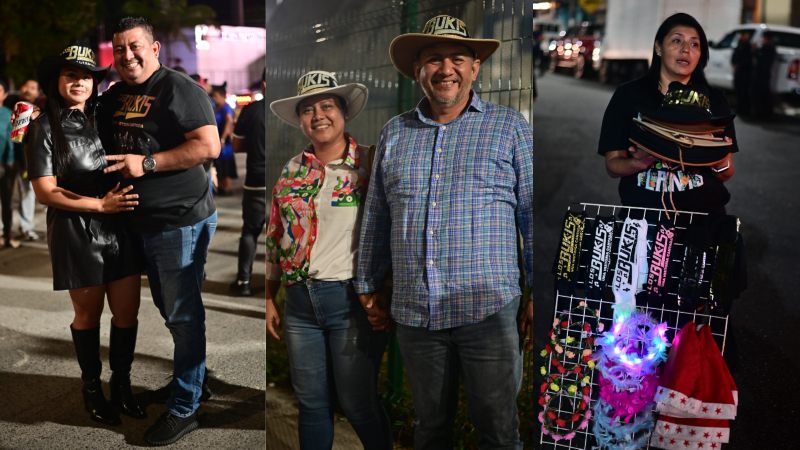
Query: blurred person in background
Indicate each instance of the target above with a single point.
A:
(226, 163)
(8, 170)
(249, 136)
(742, 62)
(762, 77)
(28, 92)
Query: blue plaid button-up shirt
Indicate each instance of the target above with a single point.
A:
(445, 206)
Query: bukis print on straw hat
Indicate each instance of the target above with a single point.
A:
(319, 82)
(405, 48)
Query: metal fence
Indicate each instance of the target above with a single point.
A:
(352, 39)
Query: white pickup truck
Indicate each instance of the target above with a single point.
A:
(785, 79)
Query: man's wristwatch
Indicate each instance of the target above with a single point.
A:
(149, 164)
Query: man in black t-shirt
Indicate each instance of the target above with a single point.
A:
(159, 129)
(249, 135)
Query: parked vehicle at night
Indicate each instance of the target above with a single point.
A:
(785, 79)
(573, 49)
(627, 43)
(549, 30)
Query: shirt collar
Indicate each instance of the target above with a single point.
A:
(475, 104)
(351, 157)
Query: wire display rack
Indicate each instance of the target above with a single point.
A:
(669, 312)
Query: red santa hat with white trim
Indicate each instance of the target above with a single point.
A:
(697, 395)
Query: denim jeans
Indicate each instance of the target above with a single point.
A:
(487, 355)
(175, 262)
(8, 176)
(333, 353)
(27, 205)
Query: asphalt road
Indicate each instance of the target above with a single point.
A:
(40, 379)
(566, 121)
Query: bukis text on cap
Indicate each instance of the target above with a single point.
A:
(77, 54)
(405, 48)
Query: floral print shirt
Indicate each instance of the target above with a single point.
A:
(307, 195)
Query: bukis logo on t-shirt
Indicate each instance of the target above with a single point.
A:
(133, 106)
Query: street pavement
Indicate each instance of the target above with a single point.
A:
(566, 120)
(40, 383)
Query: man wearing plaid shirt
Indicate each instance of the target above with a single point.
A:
(451, 191)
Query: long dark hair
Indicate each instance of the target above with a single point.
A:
(53, 107)
(677, 20)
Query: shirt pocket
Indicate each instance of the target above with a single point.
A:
(346, 192)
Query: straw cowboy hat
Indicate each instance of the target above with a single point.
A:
(405, 48)
(78, 55)
(319, 82)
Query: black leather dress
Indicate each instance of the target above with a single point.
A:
(86, 249)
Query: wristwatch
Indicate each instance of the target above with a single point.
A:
(149, 164)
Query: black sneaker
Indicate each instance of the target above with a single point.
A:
(170, 428)
(241, 288)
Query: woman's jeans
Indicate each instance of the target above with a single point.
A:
(334, 355)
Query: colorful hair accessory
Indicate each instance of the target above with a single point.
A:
(566, 263)
(627, 403)
(612, 434)
(572, 342)
(659, 264)
(564, 409)
(631, 254)
(597, 269)
(631, 349)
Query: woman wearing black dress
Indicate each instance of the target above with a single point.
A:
(91, 254)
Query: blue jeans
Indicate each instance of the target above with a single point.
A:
(333, 353)
(175, 262)
(487, 355)
(27, 205)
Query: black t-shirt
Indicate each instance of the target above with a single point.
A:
(149, 118)
(251, 126)
(692, 188)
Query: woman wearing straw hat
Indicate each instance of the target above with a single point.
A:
(312, 241)
(91, 254)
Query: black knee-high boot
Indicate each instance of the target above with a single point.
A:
(123, 344)
(87, 349)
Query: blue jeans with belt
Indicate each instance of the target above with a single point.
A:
(334, 354)
(488, 358)
(175, 263)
